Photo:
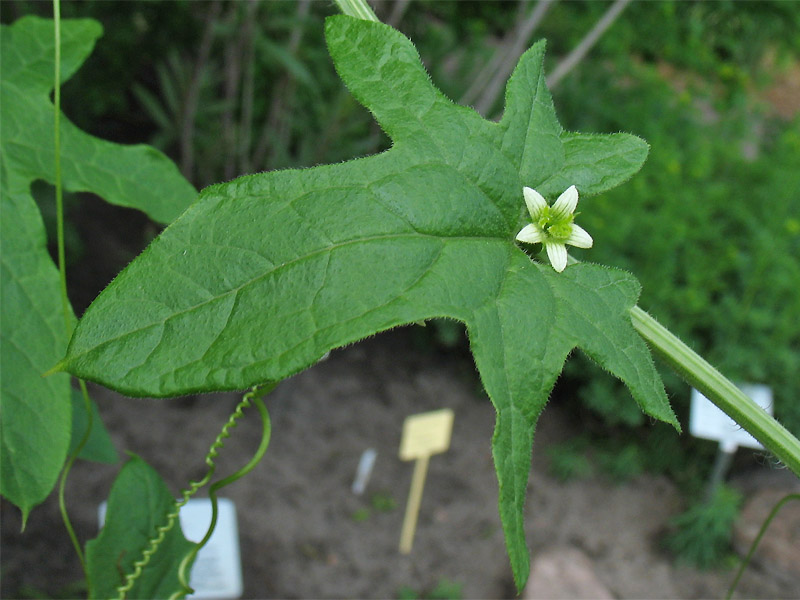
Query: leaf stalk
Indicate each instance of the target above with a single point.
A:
(357, 8)
(720, 390)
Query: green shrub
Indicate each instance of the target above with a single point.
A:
(702, 534)
(713, 237)
(569, 460)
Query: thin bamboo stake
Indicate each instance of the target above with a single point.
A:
(589, 40)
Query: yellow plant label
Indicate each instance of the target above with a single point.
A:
(426, 434)
(423, 434)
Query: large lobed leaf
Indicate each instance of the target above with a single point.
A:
(137, 176)
(263, 275)
(36, 411)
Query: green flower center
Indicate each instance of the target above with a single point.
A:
(559, 229)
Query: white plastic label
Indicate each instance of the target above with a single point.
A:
(217, 570)
(710, 423)
(364, 470)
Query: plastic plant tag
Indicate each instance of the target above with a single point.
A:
(217, 570)
(423, 435)
(364, 470)
(709, 422)
(426, 434)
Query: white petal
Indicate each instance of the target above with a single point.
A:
(557, 253)
(566, 203)
(579, 237)
(534, 201)
(530, 234)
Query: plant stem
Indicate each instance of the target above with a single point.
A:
(62, 272)
(62, 483)
(62, 263)
(773, 513)
(717, 388)
(357, 8)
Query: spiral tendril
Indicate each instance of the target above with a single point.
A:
(255, 394)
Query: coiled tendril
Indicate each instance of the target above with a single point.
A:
(253, 396)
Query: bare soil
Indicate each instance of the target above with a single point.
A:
(304, 534)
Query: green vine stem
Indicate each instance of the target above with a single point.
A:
(717, 388)
(254, 395)
(62, 482)
(62, 276)
(62, 269)
(773, 513)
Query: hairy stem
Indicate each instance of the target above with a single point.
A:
(717, 388)
(357, 8)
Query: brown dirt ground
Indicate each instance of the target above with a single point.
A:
(299, 537)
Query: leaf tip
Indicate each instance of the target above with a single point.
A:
(521, 570)
(25, 511)
(674, 422)
(666, 415)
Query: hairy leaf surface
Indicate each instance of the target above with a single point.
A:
(37, 413)
(263, 275)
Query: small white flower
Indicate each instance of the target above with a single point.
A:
(553, 225)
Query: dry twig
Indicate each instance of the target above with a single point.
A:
(192, 94)
(507, 55)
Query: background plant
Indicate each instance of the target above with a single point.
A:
(702, 534)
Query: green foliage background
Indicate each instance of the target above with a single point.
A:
(713, 232)
(710, 226)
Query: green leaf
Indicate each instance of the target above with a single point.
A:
(137, 506)
(37, 413)
(596, 163)
(263, 275)
(35, 428)
(533, 133)
(137, 176)
(99, 447)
